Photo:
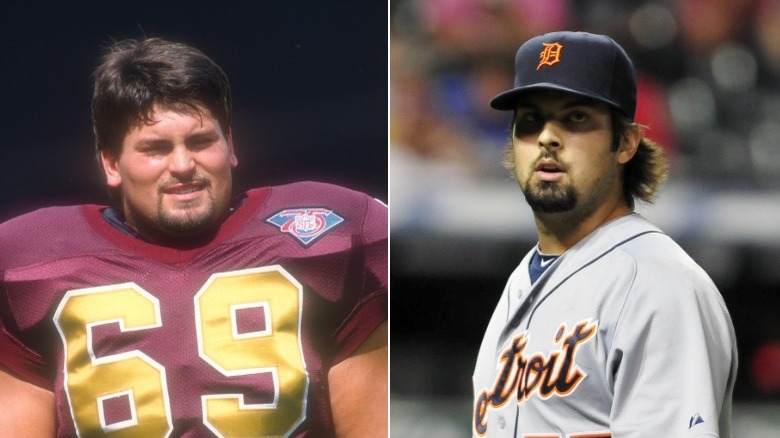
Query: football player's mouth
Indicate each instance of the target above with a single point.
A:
(186, 191)
(549, 170)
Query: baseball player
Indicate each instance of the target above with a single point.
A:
(607, 328)
(182, 310)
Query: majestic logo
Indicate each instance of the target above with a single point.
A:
(696, 419)
(551, 54)
(520, 376)
(305, 224)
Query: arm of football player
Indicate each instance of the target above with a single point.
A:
(358, 389)
(25, 409)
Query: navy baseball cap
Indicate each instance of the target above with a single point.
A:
(582, 63)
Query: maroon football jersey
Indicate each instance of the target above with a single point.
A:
(234, 337)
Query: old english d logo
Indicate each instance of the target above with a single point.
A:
(551, 54)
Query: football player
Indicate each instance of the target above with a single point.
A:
(181, 309)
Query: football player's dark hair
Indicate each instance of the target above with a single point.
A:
(134, 75)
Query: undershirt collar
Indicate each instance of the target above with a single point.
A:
(539, 263)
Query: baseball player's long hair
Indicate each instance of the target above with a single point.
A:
(647, 170)
(642, 175)
(133, 76)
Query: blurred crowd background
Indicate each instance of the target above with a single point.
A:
(707, 77)
(708, 90)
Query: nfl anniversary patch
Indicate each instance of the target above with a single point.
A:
(306, 224)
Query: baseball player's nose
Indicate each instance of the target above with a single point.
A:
(548, 137)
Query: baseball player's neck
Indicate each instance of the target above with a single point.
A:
(560, 231)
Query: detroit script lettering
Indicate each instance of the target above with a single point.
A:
(520, 376)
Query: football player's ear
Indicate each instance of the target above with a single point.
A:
(233, 158)
(109, 161)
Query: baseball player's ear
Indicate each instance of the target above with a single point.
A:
(629, 143)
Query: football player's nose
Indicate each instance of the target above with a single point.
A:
(181, 161)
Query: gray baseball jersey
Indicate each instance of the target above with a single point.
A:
(624, 335)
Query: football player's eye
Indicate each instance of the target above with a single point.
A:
(200, 144)
(201, 141)
(155, 149)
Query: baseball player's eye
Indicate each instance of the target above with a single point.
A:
(580, 121)
(527, 123)
(578, 116)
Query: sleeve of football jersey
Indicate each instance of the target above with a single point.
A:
(22, 240)
(21, 361)
(672, 361)
(370, 309)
